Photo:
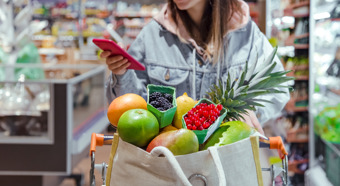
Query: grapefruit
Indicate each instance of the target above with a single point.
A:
(138, 127)
(122, 104)
(184, 104)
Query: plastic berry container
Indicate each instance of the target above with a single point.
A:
(164, 117)
(204, 134)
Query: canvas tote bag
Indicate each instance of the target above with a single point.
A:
(236, 164)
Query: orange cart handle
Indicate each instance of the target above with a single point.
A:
(276, 143)
(96, 139)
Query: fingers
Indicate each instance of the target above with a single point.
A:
(119, 68)
(114, 59)
(255, 122)
(247, 120)
(105, 54)
(121, 45)
(252, 121)
(117, 64)
(257, 125)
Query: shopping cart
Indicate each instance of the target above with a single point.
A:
(105, 168)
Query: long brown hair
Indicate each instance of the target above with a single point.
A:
(214, 24)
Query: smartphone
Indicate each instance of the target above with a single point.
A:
(108, 45)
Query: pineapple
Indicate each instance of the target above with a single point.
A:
(239, 95)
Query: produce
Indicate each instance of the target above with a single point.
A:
(184, 104)
(238, 94)
(179, 142)
(202, 116)
(168, 128)
(229, 132)
(122, 104)
(327, 124)
(160, 101)
(138, 127)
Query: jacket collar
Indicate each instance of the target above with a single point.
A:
(238, 21)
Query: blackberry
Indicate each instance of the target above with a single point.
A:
(161, 109)
(168, 97)
(164, 103)
(162, 100)
(155, 103)
(168, 106)
(154, 96)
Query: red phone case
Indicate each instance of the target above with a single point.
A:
(108, 45)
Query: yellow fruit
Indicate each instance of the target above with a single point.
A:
(184, 104)
(168, 128)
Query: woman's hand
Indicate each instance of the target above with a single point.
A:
(117, 64)
(252, 121)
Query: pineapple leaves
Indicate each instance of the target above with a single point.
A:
(262, 100)
(279, 74)
(251, 94)
(268, 61)
(241, 89)
(240, 81)
(259, 83)
(241, 94)
(252, 69)
(264, 71)
(254, 103)
(231, 93)
(228, 83)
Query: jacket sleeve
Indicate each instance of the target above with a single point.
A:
(262, 47)
(132, 81)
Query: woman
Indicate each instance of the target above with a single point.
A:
(189, 45)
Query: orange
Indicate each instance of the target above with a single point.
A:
(122, 104)
(138, 127)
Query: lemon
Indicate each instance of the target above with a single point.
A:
(184, 104)
(229, 132)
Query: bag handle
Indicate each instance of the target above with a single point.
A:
(218, 164)
(160, 150)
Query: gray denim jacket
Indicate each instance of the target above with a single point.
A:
(170, 62)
